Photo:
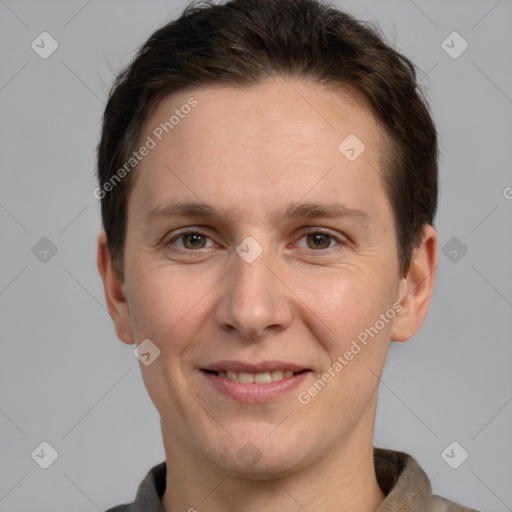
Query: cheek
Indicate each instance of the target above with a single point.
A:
(165, 304)
(347, 304)
(357, 342)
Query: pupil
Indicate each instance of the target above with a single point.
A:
(319, 239)
(194, 239)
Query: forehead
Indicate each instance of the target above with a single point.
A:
(277, 110)
(277, 141)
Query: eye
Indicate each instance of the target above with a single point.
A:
(319, 239)
(316, 238)
(190, 240)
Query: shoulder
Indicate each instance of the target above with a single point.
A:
(120, 508)
(407, 486)
(149, 493)
(439, 504)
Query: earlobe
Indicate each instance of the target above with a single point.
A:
(114, 295)
(417, 287)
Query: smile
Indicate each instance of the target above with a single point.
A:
(257, 378)
(254, 383)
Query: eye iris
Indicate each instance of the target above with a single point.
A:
(319, 238)
(195, 238)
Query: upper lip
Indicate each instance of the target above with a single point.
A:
(262, 367)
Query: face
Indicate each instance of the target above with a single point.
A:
(257, 245)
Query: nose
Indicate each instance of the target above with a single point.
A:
(255, 301)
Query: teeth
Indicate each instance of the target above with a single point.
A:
(277, 375)
(263, 378)
(245, 378)
(258, 378)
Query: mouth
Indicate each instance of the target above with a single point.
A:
(255, 383)
(256, 378)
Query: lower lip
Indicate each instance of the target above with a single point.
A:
(255, 393)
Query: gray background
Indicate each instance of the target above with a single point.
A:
(64, 376)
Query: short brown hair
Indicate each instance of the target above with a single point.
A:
(241, 43)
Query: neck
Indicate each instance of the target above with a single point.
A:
(342, 481)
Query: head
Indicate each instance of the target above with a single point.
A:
(282, 119)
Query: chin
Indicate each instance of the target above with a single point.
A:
(267, 467)
(261, 456)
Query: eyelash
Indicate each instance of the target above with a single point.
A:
(307, 231)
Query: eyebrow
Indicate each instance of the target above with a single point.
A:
(292, 211)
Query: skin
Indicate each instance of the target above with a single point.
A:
(251, 152)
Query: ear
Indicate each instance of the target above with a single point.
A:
(114, 296)
(417, 287)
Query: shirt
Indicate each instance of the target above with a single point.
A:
(405, 484)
